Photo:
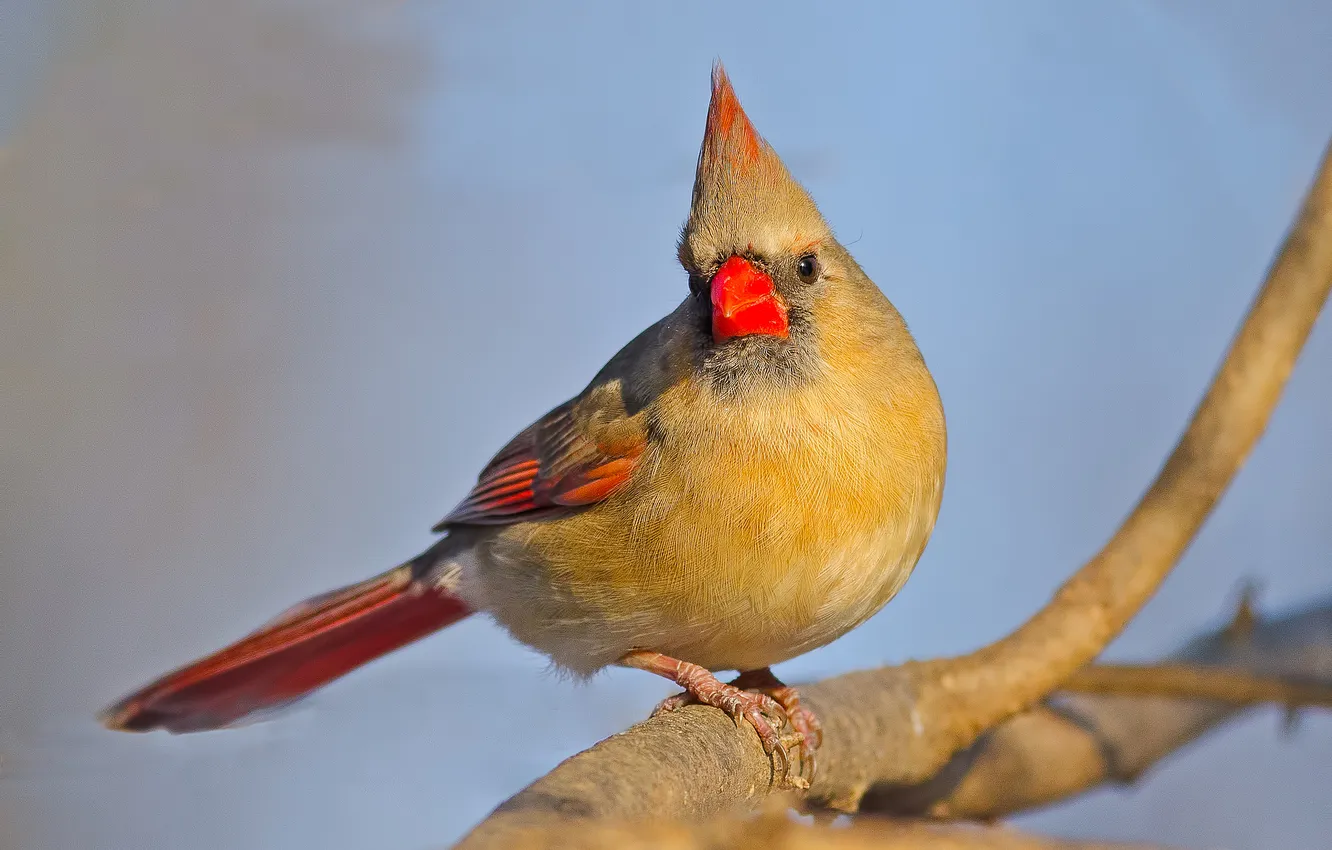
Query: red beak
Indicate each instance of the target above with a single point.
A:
(745, 302)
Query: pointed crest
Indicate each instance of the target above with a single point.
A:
(729, 140)
(743, 194)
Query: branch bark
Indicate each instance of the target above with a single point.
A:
(1054, 751)
(899, 726)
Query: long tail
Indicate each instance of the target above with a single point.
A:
(307, 646)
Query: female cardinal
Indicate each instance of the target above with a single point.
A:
(750, 478)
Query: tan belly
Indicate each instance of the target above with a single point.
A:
(728, 577)
(796, 605)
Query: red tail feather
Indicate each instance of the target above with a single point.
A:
(308, 646)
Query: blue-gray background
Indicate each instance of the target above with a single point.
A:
(278, 276)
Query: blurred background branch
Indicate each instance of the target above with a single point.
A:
(1186, 681)
(775, 831)
(1075, 742)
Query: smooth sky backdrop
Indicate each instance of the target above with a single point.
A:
(277, 277)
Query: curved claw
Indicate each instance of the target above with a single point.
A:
(804, 722)
(760, 699)
(671, 703)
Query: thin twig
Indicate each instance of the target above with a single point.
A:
(1186, 681)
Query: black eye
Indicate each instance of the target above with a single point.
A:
(808, 268)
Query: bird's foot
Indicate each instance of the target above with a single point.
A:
(758, 697)
(803, 720)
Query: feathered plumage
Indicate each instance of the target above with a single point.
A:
(748, 479)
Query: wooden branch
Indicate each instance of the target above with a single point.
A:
(778, 832)
(962, 698)
(1190, 682)
(1076, 742)
(901, 725)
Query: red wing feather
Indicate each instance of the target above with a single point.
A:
(547, 469)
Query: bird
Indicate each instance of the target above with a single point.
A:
(748, 479)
